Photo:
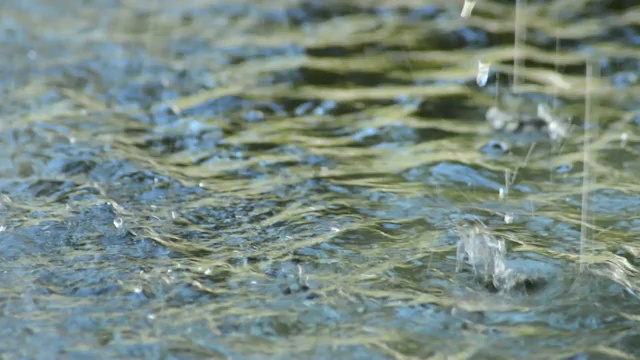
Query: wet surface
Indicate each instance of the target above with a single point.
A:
(316, 179)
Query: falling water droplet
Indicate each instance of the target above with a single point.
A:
(508, 218)
(483, 73)
(623, 139)
(117, 222)
(467, 8)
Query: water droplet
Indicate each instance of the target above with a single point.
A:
(467, 8)
(624, 137)
(483, 73)
(151, 317)
(3, 228)
(544, 112)
(508, 218)
(137, 290)
(174, 215)
(208, 271)
(501, 194)
(117, 222)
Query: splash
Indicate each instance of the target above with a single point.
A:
(486, 254)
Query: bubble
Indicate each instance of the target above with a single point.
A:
(117, 222)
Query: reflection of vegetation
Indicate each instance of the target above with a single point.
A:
(291, 176)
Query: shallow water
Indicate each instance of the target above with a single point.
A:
(291, 179)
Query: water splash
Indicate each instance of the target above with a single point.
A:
(486, 254)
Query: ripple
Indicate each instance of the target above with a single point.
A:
(291, 179)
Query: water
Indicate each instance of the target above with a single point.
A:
(292, 179)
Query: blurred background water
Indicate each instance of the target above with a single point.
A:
(292, 179)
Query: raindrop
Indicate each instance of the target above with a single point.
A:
(623, 139)
(508, 218)
(483, 73)
(544, 112)
(556, 127)
(467, 8)
(117, 222)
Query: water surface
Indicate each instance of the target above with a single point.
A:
(292, 178)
